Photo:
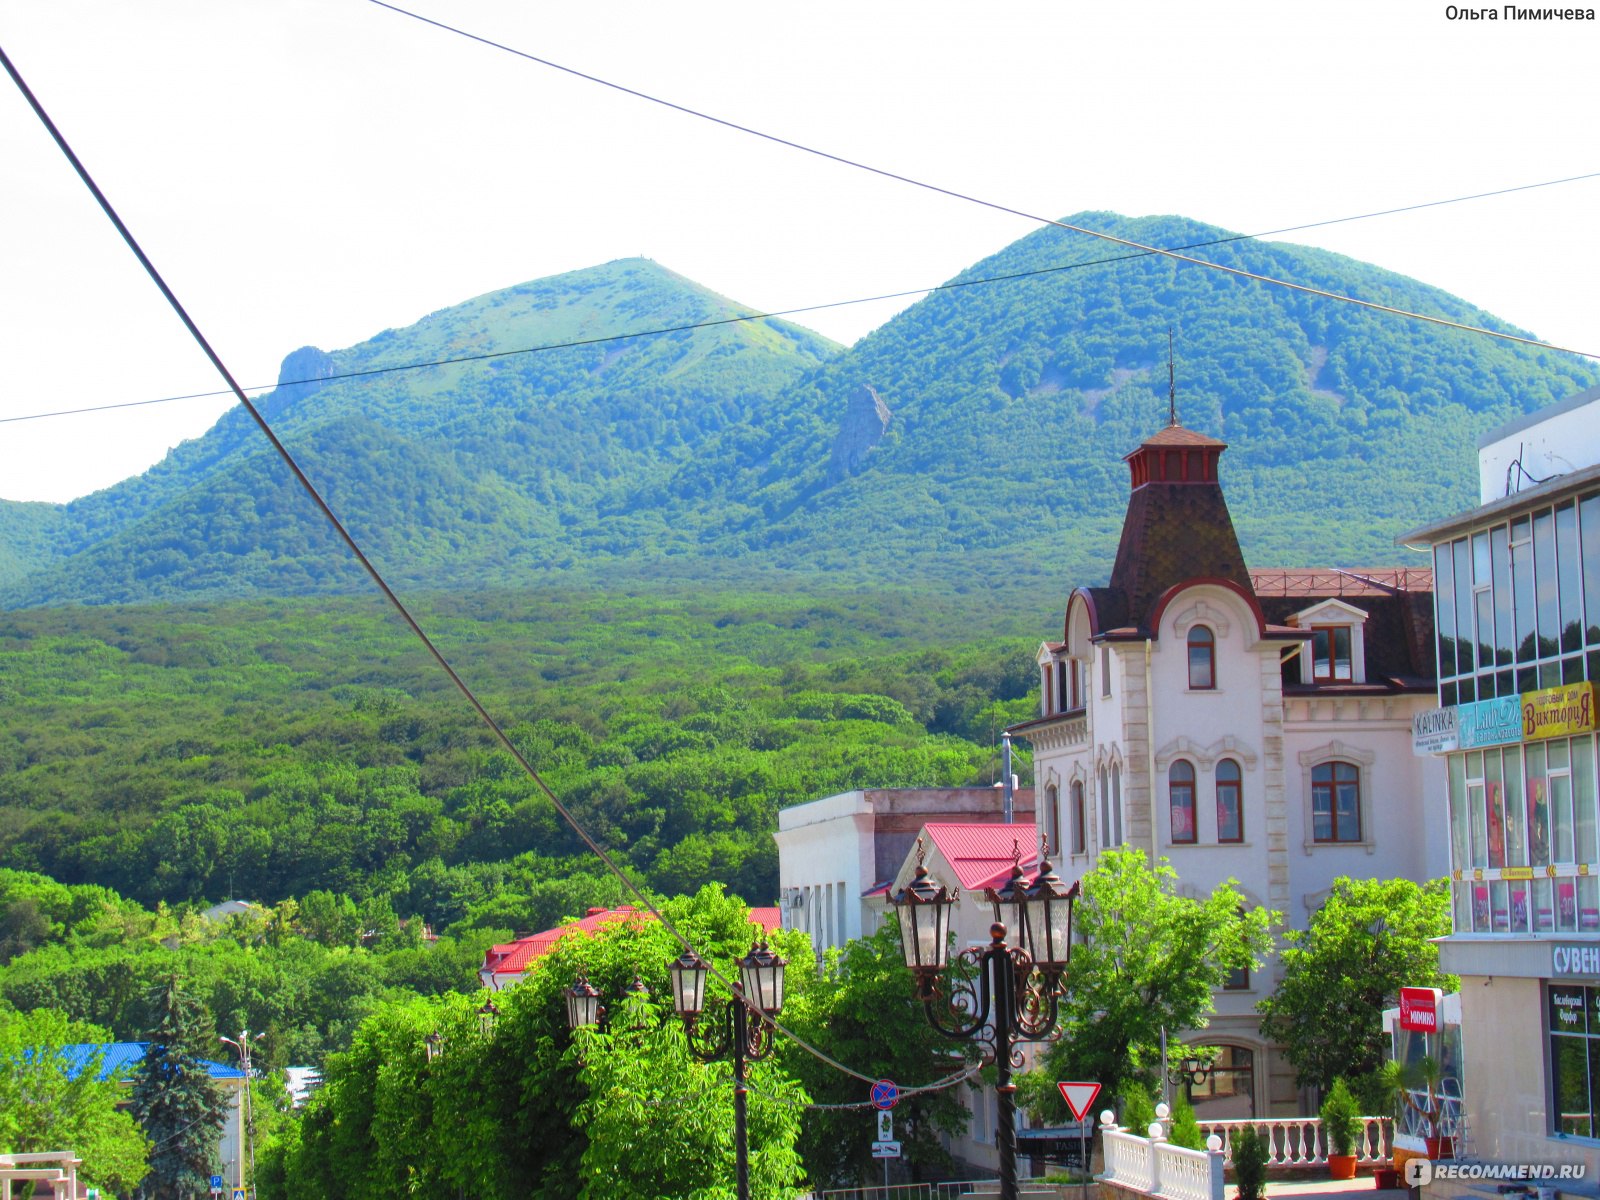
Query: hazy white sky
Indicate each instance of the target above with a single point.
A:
(315, 171)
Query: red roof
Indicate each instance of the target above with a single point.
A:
(1177, 435)
(512, 958)
(982, 855)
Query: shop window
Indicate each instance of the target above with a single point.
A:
(1202, 659)
(1330, 654)
(1230, 802)
(1574, 1048)
(1335, 802)
(1180, 796)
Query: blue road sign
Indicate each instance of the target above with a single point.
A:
(885, 1095)
(216, 1183)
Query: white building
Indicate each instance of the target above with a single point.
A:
(1252, 725)
(1519, 655)
(838, 855)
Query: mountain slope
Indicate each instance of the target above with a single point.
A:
(1013, 403)
(515, 443)
(978, 435)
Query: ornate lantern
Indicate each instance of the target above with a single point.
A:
(583, 1004)
(487, 1016)
(1010, 900)
(1049, 924)
(924, 906)
(761, 976)
(688, 974)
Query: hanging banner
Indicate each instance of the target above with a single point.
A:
(1489, 722)
(1558, 711)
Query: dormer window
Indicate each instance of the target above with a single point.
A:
(1335, 653)
(1331, 660)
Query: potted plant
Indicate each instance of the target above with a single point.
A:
(1426, 1076)
(1341, 1125)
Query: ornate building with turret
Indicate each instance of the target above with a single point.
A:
(1252, 724)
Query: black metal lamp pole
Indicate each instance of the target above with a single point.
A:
(997, 995)
(734, 1031)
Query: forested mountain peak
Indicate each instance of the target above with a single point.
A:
(978, 433)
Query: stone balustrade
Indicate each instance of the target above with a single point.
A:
(1155, 1167)
(1298, 1141)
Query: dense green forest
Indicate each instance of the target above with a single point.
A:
(730, 451)
(269, 749)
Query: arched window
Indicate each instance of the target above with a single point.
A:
(1105, 811)
(1230, 802)
(1202, 659)
(1335, 802)
(1052, 818)
(1226, 1089)
(1079, 843)
(1180, 797)
(1116, 804)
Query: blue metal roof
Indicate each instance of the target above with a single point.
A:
(123, 1059)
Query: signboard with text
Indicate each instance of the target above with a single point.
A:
(1558, 711)
(1433, 731)
(1489, 722)
(1419, 1009)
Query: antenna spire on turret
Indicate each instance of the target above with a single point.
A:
(1172, 384)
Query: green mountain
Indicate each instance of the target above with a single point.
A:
(978, 435)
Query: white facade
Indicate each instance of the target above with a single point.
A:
(1554, 441)
(837, 855)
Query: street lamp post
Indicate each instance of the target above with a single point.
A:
(243, 1045)
(997, 995)
(736, 1030)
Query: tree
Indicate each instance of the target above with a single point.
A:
(174, 1100)
(50, 1101)
(1149, 959)
(863, 1012)
(1370, 937)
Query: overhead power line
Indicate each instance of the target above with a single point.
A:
(968, 198)
(383, 586)
(951, 285)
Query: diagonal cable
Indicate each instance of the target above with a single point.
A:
(377, 577)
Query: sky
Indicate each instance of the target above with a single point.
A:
(312, 172)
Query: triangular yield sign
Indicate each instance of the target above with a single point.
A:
(1079, 1097)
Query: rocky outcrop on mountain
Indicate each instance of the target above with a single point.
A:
(304, 372)
(866, 420)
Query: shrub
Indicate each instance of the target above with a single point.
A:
(1341, 1119)
(1137, 1111)
(1185, 1129)
(1250, 1163)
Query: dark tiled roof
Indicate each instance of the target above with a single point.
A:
(1173, 533)
(1398, 633)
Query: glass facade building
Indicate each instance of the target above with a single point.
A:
(1518, 624)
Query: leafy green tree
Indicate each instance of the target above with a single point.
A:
(1369, 938)
(1149, 959)
(48, 1102)
(174, 1099)
(863, 1012)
